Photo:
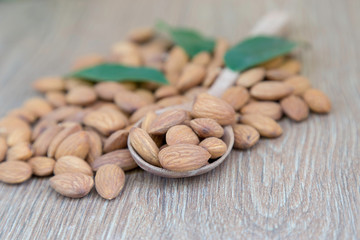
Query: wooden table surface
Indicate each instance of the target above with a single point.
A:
(302, 185)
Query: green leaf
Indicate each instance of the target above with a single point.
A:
(190, 40)
(256, 50)
(112, 72)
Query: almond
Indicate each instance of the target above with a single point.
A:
(172, 77)
(141, 35)
(270, 90)
(72, 164)
(71, 83)
(3, 149)
(21, 151)
(172, 101)
(47, 84)
(56, 98)
(24, 114)
(273, 63)
(245, 136)
(40, 127)
(181, 134)
(109, 181)
(19, 135)
(266, 126)
(183, 157)
(211, 75)
(166, 120)
(278, 74)
(62, 113)
(299, 83)
(291, 66)
(129, 101)
(236, 96)
(191, 76)
(95, 144)
(317, 101)
(146, 95)
(121, 158)
(38, 106)
(127, 53)
(206, 127)
(250, 77)
(141, 112)
(10, 123)
(64, 133)
(42, 166)
(295, 108)
(82, 95)
(144, 145)
(192, 93)
(73, 185)
(148, 120)
(221, 46)
(266, 108)
(202, 59)
(44, 140)
(207, 106)
(116, 141)
(87, 61)
(153, 56)
(77, 144)
(176, 60)
(166, 91)
(106, 121)
(108, 90)
(130, 86)
(215, 146)
(15, 172)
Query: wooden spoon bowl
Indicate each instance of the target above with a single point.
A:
(228, 138)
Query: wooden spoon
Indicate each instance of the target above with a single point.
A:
(272, 24)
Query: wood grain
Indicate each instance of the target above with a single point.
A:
(303, 185)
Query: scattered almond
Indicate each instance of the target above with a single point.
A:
(116, 141)
(76, 144)
(211, 75)
(95, 144)
(191, 76)
(176, 60)
(166, 91)
(266, 126)
(38, 106)
(317, 101)
(295, 108)
(236, 96)
(82, 95)
(24, 114)
(266, 108)
(42, 166)
(245, 136)
(299, 83)
(72, 164)
(13, 172)
(73, 185)
(270, 90)
(109, 181)
(202, 59)
(251, 77)
(141, 35)
(3, 149)
(19, 135)
(56, 98)
(121, 158)
(47, 84)
(42, 143)
(129, 101)
(21, 152)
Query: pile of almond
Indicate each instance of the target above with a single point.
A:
(79, 127)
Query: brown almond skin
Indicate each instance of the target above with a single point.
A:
(64, 133)
(145, 94)
(108, 90)
(236, 96)
(87, 61)
(127, 53)
(148, 120)
(295, 108)
(181, 134)
(50, 83)
(166, 120)
(40, 127)
(42, 166)
(221, 46)
(77, 144)
(73, 185)
(141, 112)
(273, 63)
(270, 90)
(56, 98)
(14, 172)
(9, 124)
(141, 35)
(171, 101)
(95, 144)
(266, 108)
(3, 149)
(23, 114)
(207, 106)
(37, 105)
(21, 152)
(166, 91)
(109, 181)
(129, 101)
(202, 59)
(245, 136)
(207, 127)
(211, 75)
(266, 126)
(215, 146)
(82, 95)
(176, 60)
(106, 121)
(62, 113)
(116, 141)
(278, 74)
(144, 145)
(19, 135)
(292, 66)
(42, 143)
(317, 101)
(183, 157)
(71, 164)
(192, 75)
(192, 93)
(299, 83)
(251, 77)
(121, 158)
